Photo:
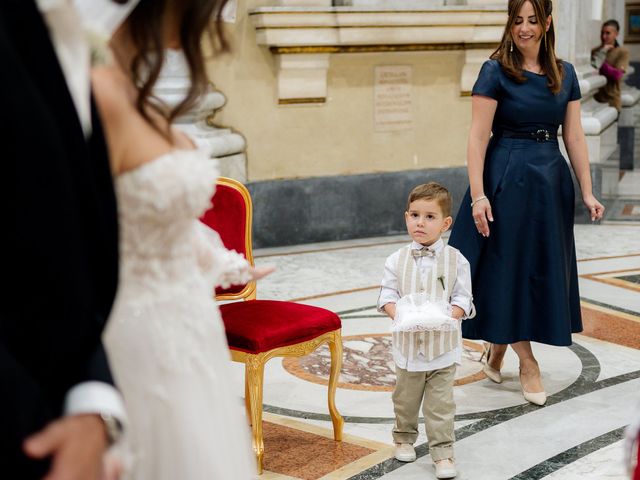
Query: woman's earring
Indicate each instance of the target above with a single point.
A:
(511, 46)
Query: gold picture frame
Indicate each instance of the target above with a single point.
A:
(632, 23)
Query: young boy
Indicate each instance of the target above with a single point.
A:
(426, 361)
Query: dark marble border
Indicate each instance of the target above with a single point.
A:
(567, 457)
(630, 278)
(585, 383)
(611, 307)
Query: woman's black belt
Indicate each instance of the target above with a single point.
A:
(539, 135)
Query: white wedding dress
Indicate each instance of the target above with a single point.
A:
(165, 340)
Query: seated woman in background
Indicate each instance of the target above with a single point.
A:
(612, 61)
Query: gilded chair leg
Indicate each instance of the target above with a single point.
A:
(247, 398)
(254, 371)
(335, 347)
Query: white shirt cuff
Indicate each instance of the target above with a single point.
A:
(465, 305)
(95, 397)
(387, 295)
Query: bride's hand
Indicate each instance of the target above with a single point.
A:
(596, 209)
(482, 215)
(112, 467)
(260, 272)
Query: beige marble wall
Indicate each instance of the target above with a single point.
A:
(338, 137)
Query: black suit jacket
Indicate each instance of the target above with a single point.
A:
(59, 238)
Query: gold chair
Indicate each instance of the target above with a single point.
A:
(259, 330)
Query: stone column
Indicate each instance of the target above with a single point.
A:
(577, 25)
(627, 124)
(615, 9)
(630, 96)
(227, 146)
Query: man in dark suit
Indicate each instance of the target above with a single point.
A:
(58, 408)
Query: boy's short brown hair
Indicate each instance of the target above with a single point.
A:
(432, 191)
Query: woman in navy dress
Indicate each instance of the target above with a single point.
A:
(515, 225)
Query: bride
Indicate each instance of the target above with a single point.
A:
(165, 339)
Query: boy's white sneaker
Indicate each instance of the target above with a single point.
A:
(405, 452)
(446, 468)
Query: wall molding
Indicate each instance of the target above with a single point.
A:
(303, 38)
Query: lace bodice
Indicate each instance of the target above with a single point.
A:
(159, 197)
(161, 239)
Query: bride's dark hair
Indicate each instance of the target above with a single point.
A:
(146, 25)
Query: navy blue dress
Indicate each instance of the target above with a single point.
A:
(525, 282)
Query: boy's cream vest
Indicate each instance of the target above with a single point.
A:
(438, 283)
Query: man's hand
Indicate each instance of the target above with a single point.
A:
(76, 444)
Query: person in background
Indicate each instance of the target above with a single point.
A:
(515, 224)
(612, 60)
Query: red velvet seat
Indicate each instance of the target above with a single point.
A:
(261, 325)
(258, 330)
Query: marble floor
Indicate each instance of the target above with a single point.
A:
(594, 385)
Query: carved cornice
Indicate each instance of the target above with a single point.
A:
(302, 38)
(351, 26)
(415, 47)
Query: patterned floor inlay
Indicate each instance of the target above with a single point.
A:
(563, 459)
(628, 278)
(610, 326)
(298, 451)
(630, 209)
(593, 386)
(631, 278)
(624, 210)
(368, 364)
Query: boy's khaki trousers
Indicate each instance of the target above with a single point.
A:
(438, 408)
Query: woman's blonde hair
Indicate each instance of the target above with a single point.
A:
(510, 57)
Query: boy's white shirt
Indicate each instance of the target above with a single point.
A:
(461, 296)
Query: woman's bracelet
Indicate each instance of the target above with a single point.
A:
(483, 197)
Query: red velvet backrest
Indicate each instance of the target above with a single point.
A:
(230, 216)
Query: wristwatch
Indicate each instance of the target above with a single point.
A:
(113, 426)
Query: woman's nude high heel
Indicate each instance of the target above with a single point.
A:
(537, 398)
(491, 373)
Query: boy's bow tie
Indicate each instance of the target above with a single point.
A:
(423, 252)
